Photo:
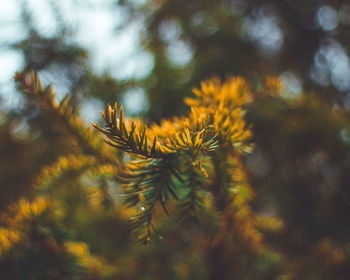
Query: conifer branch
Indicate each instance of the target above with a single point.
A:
(221, 107)
(70, 166)
(165, 156)
(30, 84)
(129, 137)
(215, 127)
(150, 183)
(95, 157)
(197, 199)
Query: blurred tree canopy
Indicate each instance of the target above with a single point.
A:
(298, 169)
(304, 42)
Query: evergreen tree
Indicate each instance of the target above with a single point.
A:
(248, 181)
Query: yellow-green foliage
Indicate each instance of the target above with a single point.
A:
(181, 159)
(25, 231)
(15, 222)
(189, 164)
(190, 168)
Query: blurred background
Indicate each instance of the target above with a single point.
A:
(148, 55)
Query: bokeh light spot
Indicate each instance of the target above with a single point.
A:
(135, 101)
(327, 18)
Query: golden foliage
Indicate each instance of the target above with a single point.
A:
(13, 223)
(179, 151)
(94, 266)
(191, 163)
